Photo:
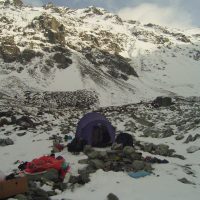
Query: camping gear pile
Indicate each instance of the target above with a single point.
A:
(45, 163)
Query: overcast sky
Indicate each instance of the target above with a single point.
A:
(177, 13)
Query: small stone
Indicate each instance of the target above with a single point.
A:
(167, 133)
(20, 197)
(192, 149)
(60, 186)
(21, 134)
(112, 196)
(197, 136)
(85, 177)
(83, 161)
(58, 191)
(185, 181)
(51, 193)
(178, 156)
(179, 137)
(189, 139)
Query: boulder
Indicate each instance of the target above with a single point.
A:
(149, 147)
(10, 52)
(152, 132)
(82, 179)
(21, 134)
(93, 154)
(62, 60)
(136, 156)
(85, 177)
(87, 149)
(128, 150)
(60, 186)
(26, 122)
(185, 181)
(167, 133)
(38, 194)
(192, 149)
(28, 54)
(6, 142)
(102, 155)
(83, 161)
(189, 139)
(4, 121)
(138, 165)
(197, 136)
(56, 37)
(96, 163)
(163, 150)
(179, 137)
(162, 101)
(116, 146)
(50, 23)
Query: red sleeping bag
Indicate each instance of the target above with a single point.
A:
(45, 163)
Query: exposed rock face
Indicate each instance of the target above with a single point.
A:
(117, 65)
(28, 54)
(10, 52)
(56, 37)
(53, 30)
(46, 22)
(13, 2)
(62, 60)
(25, 122)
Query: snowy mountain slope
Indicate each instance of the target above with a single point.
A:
(61, 49)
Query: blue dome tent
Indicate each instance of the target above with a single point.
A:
(96, 130)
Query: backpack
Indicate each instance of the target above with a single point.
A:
(125, 139)
(76, 145)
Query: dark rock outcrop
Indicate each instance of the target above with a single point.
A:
(62, 60)
(10, 52)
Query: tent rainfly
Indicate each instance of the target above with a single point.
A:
(96, 130)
